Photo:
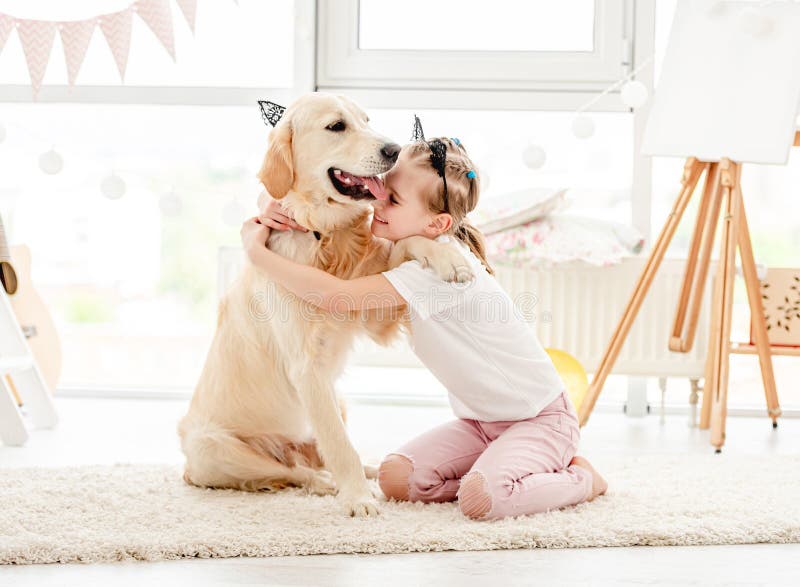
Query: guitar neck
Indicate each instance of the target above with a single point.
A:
(5, 254)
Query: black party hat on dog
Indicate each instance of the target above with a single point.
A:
(271, 112)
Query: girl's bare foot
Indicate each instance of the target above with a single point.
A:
(599, 485)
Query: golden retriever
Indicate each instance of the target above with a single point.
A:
(264, 414)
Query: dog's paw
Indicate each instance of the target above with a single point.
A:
(462, 274)
(321, 483)
(452, 272)
(450, 265)
(359, 505)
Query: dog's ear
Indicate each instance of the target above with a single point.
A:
(277, 171)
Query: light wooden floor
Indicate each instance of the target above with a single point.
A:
(109, 431)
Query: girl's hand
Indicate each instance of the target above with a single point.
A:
(254, 235)
(274, 216)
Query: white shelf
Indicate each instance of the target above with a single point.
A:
(14, 364)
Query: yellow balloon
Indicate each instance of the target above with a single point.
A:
(572, 374)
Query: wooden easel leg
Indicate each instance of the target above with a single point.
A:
(757, 313)
(706, 223)
(730, 174)
(698, 262)
(691, 175)
(711, 382)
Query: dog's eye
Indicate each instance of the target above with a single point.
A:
(337, 126)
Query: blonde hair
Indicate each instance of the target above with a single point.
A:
(462, 193)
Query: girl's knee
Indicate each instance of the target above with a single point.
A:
(393, 476)
(474, 498)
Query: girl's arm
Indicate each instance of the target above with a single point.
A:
(314, 285)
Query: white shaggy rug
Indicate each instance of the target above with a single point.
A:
(146, 512)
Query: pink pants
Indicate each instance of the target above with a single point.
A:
(494, 469)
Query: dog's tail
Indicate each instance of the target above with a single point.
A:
(217, 458)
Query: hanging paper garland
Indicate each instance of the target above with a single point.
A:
(37, 36)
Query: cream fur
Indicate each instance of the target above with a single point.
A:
(264, 414)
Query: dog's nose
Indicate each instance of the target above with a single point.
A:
(391, 151)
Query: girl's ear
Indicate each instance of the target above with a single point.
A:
(441, 223)
(277, 171)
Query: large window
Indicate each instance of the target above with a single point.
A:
(505, 46)
(132, 282)
(467, 26)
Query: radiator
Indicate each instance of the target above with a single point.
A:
(574, 307)
(578, 306)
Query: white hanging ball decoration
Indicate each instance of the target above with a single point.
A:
(170, 204)
(113, 187)
(534, 156)
(50, 162)
(233, 214)
(753, 22)
(582, 126)
(634, 94)
(2, 132)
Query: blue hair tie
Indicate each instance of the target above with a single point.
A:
(471, 174)
(456, 141)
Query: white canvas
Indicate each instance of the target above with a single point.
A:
(724, 92)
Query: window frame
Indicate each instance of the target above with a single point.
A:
(472, 79)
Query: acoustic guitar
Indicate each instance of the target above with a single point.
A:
(31, 312)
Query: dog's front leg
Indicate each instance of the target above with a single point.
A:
(339, 456)
(444, 258)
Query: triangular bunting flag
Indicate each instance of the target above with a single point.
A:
(6, 25)
(116, 28)
(75, 37)
(36, 37)
(189, 9)
(158, 17)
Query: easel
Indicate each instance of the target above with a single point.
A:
(722, 191)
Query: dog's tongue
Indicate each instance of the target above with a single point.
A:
(373, 184)
(375, 187)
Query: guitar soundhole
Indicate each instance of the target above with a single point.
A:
(8, 277)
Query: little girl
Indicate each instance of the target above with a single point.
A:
(511, 450)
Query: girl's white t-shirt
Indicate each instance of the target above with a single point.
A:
(476, 342)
